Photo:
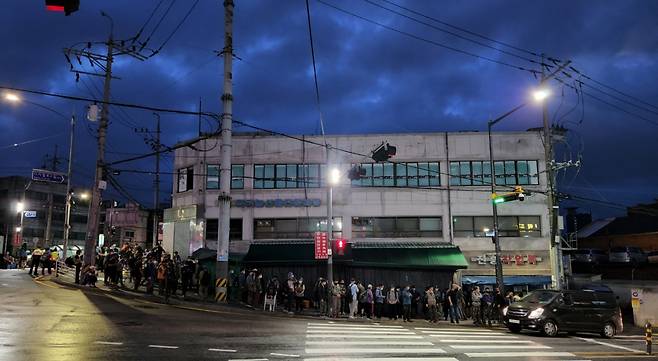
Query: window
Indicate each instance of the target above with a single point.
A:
(268, 176)
(410, 174)
(510, 172)
(508, 226)
(237, 176)
(129, 234)
(294, 228)
(383, 227)
(212, 229)
(185, 179)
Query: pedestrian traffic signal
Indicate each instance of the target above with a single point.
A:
(356, 173)
(383, 153)
(66, 6)
(340, 246)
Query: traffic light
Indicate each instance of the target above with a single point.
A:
(340, 247)
(66, 6)
(356, 173)
(519, 194)
(383, 153)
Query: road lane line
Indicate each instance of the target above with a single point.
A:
(474, 336)
(456, 329)
(367, 342)
(283, 354)
(464, 333)
(248, 359)
(381, 359)
(163, 346)
(485, 341)
(351, 325)
(520, 354)
(379, 329)
(347, 350)
(608, 344)
(400, 332)
(471, 347)
(354, 335)
(221, 350)
(108, 343)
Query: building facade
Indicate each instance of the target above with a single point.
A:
(43, 218)
(436, 189)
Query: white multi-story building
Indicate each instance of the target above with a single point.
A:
(436, 190)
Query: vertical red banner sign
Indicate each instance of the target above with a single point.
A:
(321, 245)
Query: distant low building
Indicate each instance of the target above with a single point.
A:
(127, 224)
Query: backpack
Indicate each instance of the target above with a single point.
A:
(348, 292)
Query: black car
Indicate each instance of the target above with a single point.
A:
(550, 312)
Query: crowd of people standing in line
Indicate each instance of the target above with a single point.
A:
(356, 299)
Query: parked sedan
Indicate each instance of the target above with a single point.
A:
(627, 255)
(590, 256)
(653, 257)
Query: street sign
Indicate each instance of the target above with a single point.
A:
(30, 214)
(42, 175)
(321, 245)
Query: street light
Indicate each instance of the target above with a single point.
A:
(333, 180)
(84, 196)
(539, 96)
(12, 97)
(20, 207)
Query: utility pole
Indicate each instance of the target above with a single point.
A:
(69, 195)
(550, 196)
(226, 153)
(99, 182)
(156, 182)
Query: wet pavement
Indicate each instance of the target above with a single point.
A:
(44, 320)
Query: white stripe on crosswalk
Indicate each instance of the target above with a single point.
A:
(361, 350)
(351, 325)
(464, 333)
(367, 342)
(381, 359)
(521, 354)
(483, 341)
(457, 329)
(473, 336)
(356, 335)
(356, 328)
(472, 347)
(375, 332)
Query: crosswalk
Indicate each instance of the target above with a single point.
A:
(345, 341)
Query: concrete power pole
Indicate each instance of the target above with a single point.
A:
(550, 196)
(156, 182)
(224, 197)
(99, 183)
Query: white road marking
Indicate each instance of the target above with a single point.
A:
(163, 346)
(381, 359)
(221, 350)
(248, 359)
(464, 333)
(484, 341)
(108, 343)
(474, 336)
(378, 329)
(520, 354)
(609, 344)
(283, 354)
(374, 332)
(367, 342)
(466, 347)
(344, 350)
(356, 335)
(630, 336)
(456, 329)
(352, 325)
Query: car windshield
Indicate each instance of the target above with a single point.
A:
(539, 297)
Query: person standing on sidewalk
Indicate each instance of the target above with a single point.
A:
(300, 289)
(36, 259)
(354, 294)
(406, 304)
(322, 296)
(431, 304)
(77, 261)
(476, 302)
(335, 299)
(391, 303)
(379, 301)
(453, 300)
(370, 302)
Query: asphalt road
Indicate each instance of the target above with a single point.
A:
(42, 320)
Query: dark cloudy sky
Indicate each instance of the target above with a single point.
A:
(371, 79)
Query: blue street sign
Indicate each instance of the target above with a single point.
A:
(42, 175)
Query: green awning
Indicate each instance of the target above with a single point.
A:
(384, 255)
(446, 257)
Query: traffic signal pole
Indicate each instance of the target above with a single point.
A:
(496, 239)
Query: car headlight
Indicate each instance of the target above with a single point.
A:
(536, 313)
(505, 311)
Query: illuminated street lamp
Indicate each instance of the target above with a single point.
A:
(12, 97)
